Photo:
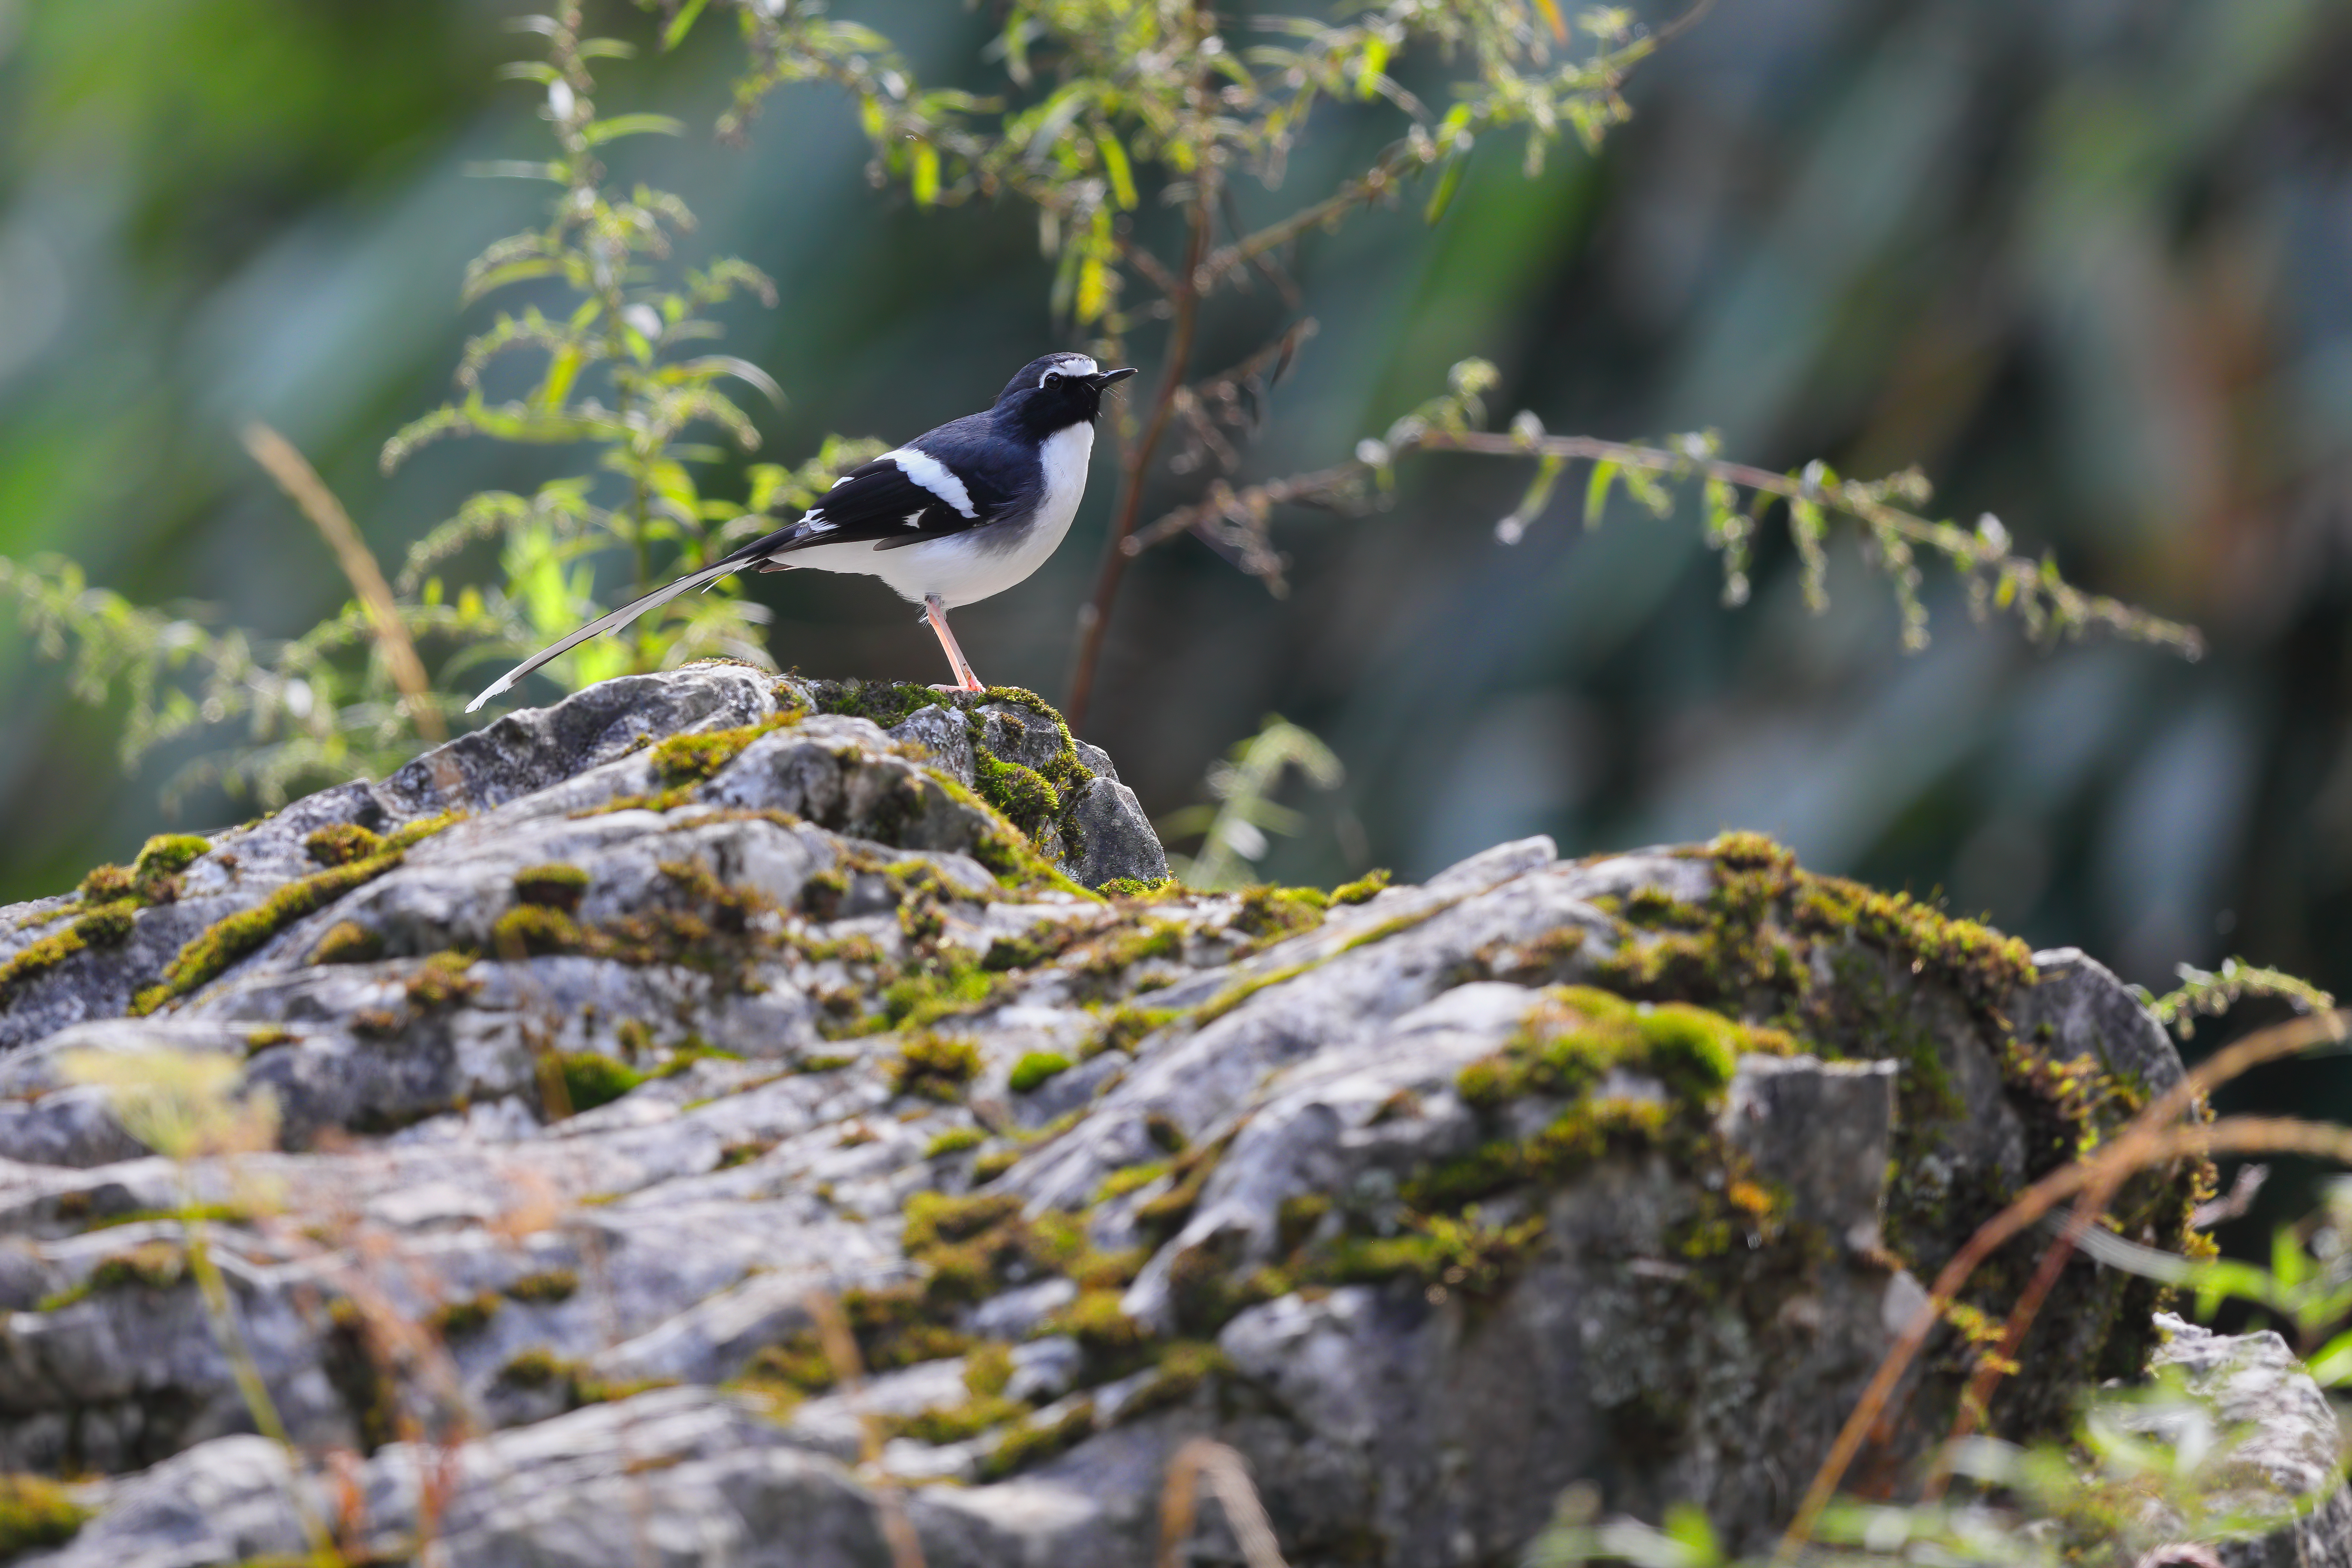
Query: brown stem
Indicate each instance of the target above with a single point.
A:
(1094, 616)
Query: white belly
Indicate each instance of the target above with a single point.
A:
(966, 567)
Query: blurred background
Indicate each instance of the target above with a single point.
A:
(2086, 262)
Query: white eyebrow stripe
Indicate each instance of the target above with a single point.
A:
(1070, 364)
(933, 476)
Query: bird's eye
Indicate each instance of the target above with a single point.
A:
(1051, 378)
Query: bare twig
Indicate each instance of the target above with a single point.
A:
(308, 492)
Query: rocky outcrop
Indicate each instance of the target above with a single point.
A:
(633, 1059)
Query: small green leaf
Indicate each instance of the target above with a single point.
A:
(927, 174)
(1116, 167)
(1596, 492)
(599, 132)
(679, 24)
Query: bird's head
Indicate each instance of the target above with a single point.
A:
(1058, 392)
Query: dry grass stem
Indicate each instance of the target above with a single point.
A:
(1227, 1475)
(849, 1372)
(302, 485)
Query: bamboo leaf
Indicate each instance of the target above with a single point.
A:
(927, 174)
(1449, 180)
(1121, 172)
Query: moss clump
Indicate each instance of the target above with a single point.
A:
(1110, 955)
(1124, 1029)
(1022, 794)
(348, 941)
(204, 956)
(742, 1152)
(1035, 1068)
(935, 1066)
(1130, 1178)
(106, 884)
(885, 702)
(954, 1141)
(944, 986)
(168, 854)
(267, 1038)
(1034, 1442)
(690, 759)
(36, 1512)
(993, 1164)
(343, 843)
(555, 886)
(444, 979)
(534, 930)
(110, 926)
(1135, 888)
(544, 1287)
(1443, 1252)
(1573, 1038)
(591, 1079)
(1268, 914)
(954, 1423)
(1363, 889)
(456, 1319)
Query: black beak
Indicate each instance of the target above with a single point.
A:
(1105, 378)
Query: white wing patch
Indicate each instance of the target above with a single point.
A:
(933, 476)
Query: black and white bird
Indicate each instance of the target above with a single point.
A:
(955, 515)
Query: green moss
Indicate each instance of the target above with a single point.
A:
(106, 884)
(348, 941)
(343, 843)
(1115, 953)
(1128, 1178)
(556, 885)
(110, 926)
(1027, 801)
(456, 1320)
(954, 1141)
(151, 1265)
(168, 854)
(935, 1066)
(1034, 1442)
(534, 930)
(1443, 1251)
(945, 987)
(1112, 1341)
(1035, 1068)
(743, 1153)
(687, 760)
(1124, 1029)
(442, 980)
(1362, 889)
(534, 1368)
(1135, 888)
(204, 956)
(995, 1163)
(267, 1038)
(35, 1511)
(591, 1079)
(886, 703)
(954, 1423)
(544, 1287)
(1270, 913)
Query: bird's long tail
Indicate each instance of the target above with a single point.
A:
(611, 621)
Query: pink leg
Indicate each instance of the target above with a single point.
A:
(935, 613)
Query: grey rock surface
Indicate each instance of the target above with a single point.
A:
(715, 1016)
